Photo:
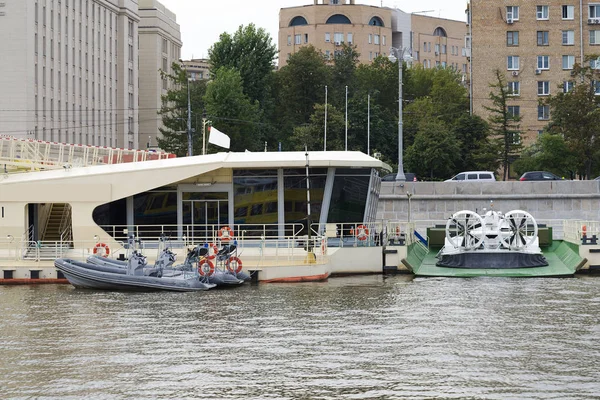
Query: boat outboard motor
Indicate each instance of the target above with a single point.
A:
(136, 264)
(166, 259)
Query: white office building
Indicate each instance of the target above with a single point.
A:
(69, 71)
(160, 46)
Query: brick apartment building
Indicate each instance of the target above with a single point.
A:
(535, 44)
(327, 24)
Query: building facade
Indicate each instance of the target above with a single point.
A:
(160, 46)
(327, 24)
(534, 44)
(438, 42)
(70, 71)
(197, 69)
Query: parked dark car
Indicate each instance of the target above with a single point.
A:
(410, 177)
(539, 176)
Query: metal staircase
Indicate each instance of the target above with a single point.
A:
(58, 224)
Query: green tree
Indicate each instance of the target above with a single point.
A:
(504, 123)
(301, 85)
(440, 96)
(174, 112)
(449, 97)
(576, 115)
(477, 151)
(343, 74)
(232, 112)
(549, 153)
(313, 133)
(383, 127)
(381, 77)
(434, 152)
(252, 53)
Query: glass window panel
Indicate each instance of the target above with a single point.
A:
(250, 194)
(348, 199)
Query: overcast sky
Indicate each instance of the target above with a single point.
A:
(202, 21)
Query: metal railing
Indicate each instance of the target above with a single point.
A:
(21, 155)
(193, 234)
(575, 231)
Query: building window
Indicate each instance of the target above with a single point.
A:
(514, 88)
(512, 13)
(543, 88)
(297, 39)
(376, 39)
(543, 112)
(594, 11)
(165, 45)
(542, 12)
(130, 26)
(289, 40)
(370, 38)
(543, 62)
(568, 38)
(514, 111)
(338, 37)
(568, 12)
(595, 63)
(512, 38)
(350, 38)
(383, 38)
(306, 38)
(567, 62)
(327, 37)
(437, 49)
(594, 37)
(568, 86)
(542, 38)
(512, 63)
(596, 86)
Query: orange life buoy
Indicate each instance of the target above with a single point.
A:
(215, 250)
(104, 247)
(234, 264)
(206, 267)
(398, 230)
(362, 232)
(584, 230)
(226, 233)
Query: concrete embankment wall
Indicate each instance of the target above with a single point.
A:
(437, 201)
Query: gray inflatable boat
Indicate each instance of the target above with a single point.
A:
(136, 276)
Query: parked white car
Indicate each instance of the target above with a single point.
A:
(473, 176)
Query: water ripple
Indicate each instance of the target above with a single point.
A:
(349, 338)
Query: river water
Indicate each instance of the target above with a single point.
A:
(349, 338)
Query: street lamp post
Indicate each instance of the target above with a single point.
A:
(204, 123)
(189, 122)
(401, 55)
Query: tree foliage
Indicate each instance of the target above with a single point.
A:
(301, 85)
(174, 112)
(231, 111)
(313, 134)
(576, 115)
(504, 124)
(477, 151)
(549, 153)
(252, 53)
(435, 151)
